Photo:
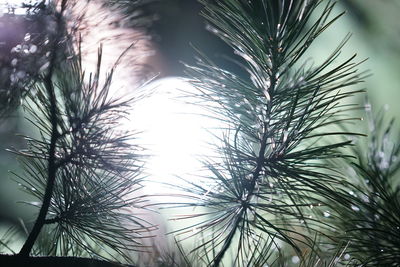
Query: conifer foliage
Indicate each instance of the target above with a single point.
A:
(294, 181)
(82, 168)
(283, 121)
(373, 189)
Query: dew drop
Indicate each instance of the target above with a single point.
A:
(365, 198)
(346, 256)
(21, 74)
(295, 259)
(27, 37)
(355, 208)
(327, 214)
(14, 62)
(16, 49)
(285, 136)
(32, 49)
(384, 164)
(59, 129)
(266, 94)
(44, 66)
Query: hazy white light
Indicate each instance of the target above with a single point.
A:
(15, 4)
(175, 133)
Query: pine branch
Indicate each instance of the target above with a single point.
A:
(83, 168)
(52, 168)
(275, 193)
(11, 260)
(280, 118)
(370, 209)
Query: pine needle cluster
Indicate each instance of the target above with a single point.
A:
(83, 169)
(373, 189)
(289, 185)
(283, 129)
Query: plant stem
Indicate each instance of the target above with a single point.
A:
(259, 161)
(52, 167)
(255, 175)
(51, 176)
(229, 238)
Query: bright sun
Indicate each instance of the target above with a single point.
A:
(174, 131)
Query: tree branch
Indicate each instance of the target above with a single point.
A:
(52, 167)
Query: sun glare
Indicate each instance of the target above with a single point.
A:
(14, 6)
(177, 134)
(174, 133)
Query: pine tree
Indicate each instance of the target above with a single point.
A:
(295, 180)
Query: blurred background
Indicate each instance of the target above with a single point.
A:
(176, 28)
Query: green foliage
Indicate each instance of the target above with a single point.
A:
(281, 119)
(97, 168)
(373, 190)
(289, 184)
(83, 168)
